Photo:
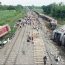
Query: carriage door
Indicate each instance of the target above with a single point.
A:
(57, 37)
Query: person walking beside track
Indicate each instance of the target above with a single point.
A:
(45, 60)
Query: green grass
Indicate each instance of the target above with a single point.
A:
(10, 17)
(7, 17)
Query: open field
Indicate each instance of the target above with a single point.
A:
(10, 17)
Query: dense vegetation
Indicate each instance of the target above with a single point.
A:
(9, 15)
(55, 10)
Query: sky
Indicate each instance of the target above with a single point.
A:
(30, 2)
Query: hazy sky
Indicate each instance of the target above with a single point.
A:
(30, 2)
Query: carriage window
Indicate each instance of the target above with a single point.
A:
(57, 36)
(64, 33)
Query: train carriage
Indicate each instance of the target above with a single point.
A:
(58, 35)
(52, 22)
(4, 30)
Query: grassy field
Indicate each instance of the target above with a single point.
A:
(10, 17)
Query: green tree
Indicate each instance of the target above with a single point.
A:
(11, 7)
(55, 10)
(18, 8)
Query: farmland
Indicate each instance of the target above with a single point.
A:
(10, 17)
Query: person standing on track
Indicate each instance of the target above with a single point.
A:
(45, 60)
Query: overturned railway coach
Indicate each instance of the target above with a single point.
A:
(4, 30)
(52, 22)
(58, 35)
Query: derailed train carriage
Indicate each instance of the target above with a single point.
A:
(52, 22)
(58, 35)
(4, 30)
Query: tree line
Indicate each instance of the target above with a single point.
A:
(11, 7)
(55, 10)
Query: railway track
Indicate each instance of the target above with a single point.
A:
(47, 50)
(50, 51)
(20, 46)
(14, 43)
(12, 47)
